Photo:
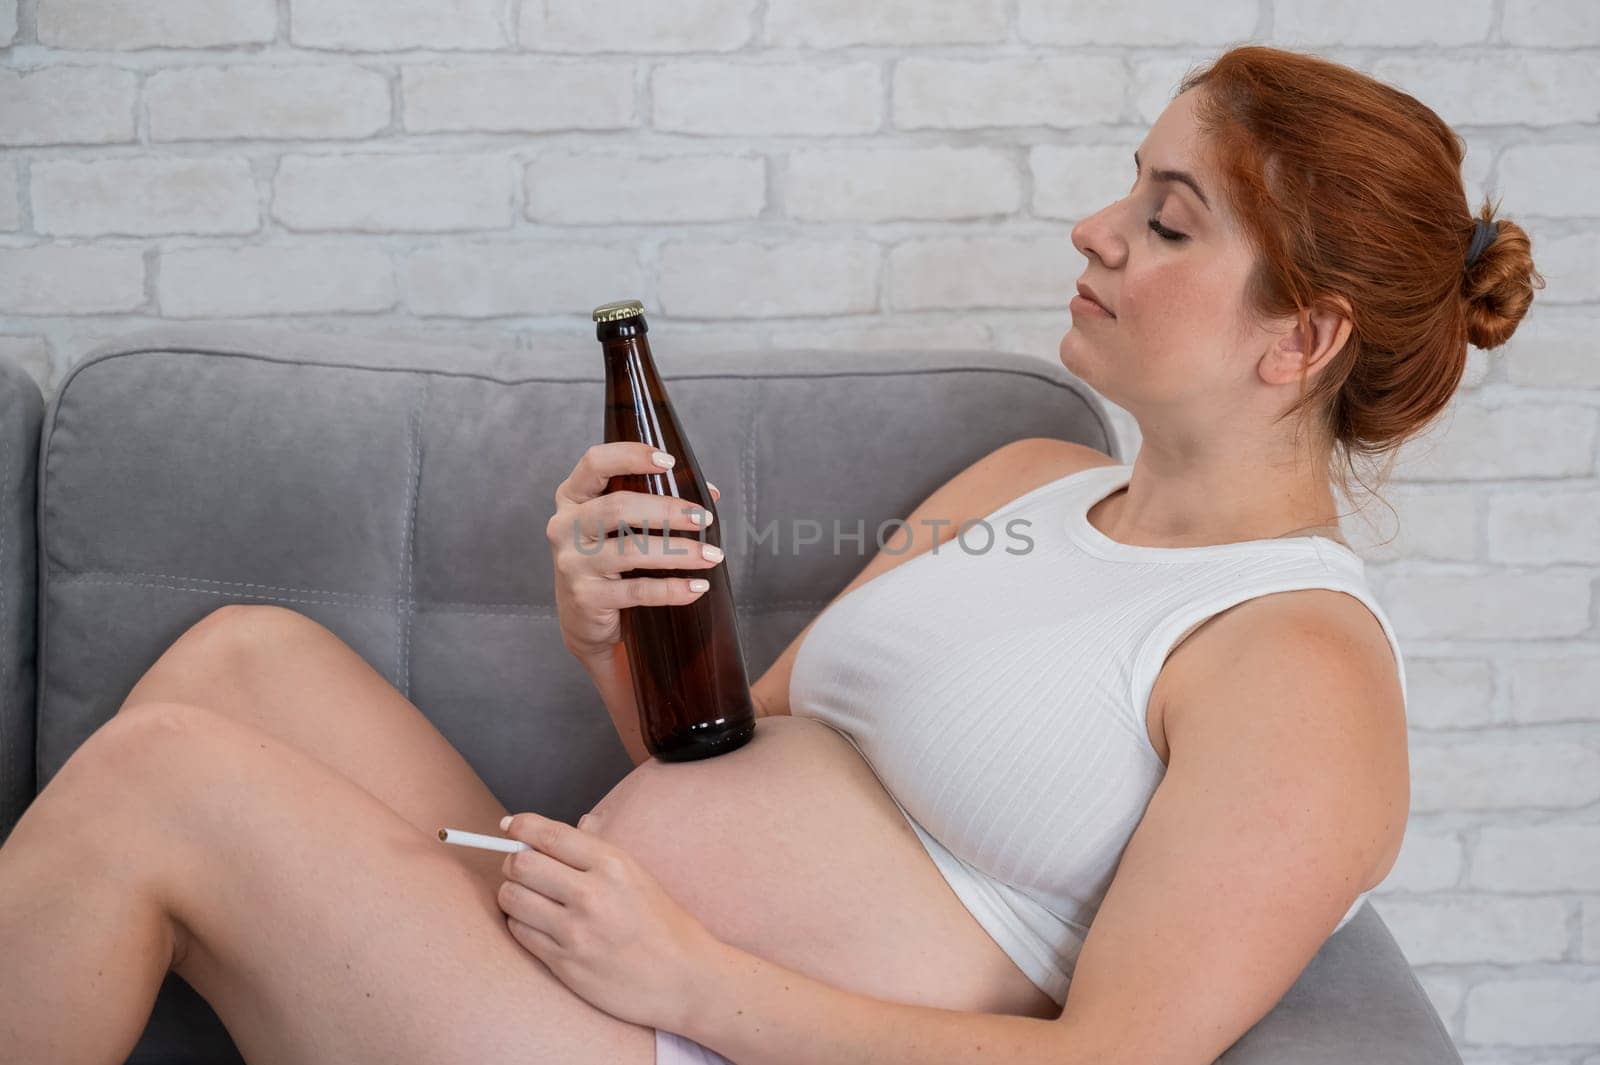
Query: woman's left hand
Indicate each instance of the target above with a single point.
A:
(602, 923)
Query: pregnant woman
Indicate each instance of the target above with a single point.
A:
(1093, 796)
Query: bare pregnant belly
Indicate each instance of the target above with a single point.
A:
(790, 848)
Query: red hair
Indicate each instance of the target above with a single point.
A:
(1348, 187)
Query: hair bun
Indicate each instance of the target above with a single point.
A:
(1499, 284)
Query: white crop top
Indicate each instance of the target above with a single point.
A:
(998, 691)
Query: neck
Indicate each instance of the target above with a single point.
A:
(1191, 504)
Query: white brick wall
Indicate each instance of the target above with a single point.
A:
(398, 25)
(144, 196)
(10, 204)
(271, 280)
(131, 24)
(472, 97)
(266, 102)
(467, 279)
(877, 184)
(602, 188)
(600, 25)
(785, 173)
(68, 104)
(765, 99)
(381, 193)
(896, 23)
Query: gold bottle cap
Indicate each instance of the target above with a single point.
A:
(611, 312)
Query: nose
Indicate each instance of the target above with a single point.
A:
(1097, 236)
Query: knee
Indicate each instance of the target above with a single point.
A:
(147, 744)
(229, 634)
(132, 766)
(134, 792)
(249, 624)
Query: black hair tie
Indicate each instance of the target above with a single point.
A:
(1483, 235)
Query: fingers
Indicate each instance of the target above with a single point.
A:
(644, 591)
(623, 553)
(623, 512)
(601, 462)
(557, 839)
(539, 944)
(548, 876)
(533, 911)
(596, 536)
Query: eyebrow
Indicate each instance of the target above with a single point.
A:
(1176, 175)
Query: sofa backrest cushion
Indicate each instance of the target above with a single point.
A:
(398, 492)
(21, 410)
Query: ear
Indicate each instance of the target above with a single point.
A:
(1309, 344)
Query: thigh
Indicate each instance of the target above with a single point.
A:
(320, 924)
(286, 674)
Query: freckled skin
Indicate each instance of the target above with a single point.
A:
(1176, 338)
(1206, 380)
(865, 910)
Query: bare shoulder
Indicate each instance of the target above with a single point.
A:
(1312, 665)
(980, 489)
(1331, 617)
(1016, 469)
(983, 487)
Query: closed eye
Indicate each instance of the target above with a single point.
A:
(1167, 234)
(1160, 230)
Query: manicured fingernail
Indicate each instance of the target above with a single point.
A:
(661, 458)
(699, 585)
(505, 822)
(713, 487)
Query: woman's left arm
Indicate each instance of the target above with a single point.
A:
(1272, 812)
(756, 1012)
(1286, 785)
(610, 932)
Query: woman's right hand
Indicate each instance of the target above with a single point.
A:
(590, 591)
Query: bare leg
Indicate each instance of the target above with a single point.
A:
(319, 924)
(284, 673)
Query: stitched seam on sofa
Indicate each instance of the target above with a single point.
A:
(41, 599)
(386, 604)
(408, 535)
(8, 773)
(389, 607)
(81, 576)
(747, 472)
(180, 349)
(329, 597)
(1071, 386)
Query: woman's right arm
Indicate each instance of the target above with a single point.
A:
(590, 591)
(614, 681)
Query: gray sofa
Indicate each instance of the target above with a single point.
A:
(397, 493)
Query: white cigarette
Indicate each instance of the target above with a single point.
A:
(477, 839)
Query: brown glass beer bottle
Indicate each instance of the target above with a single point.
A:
(688, 666)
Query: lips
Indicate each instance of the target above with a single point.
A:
(1089, 294)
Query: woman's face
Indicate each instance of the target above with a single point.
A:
(1179, 350)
